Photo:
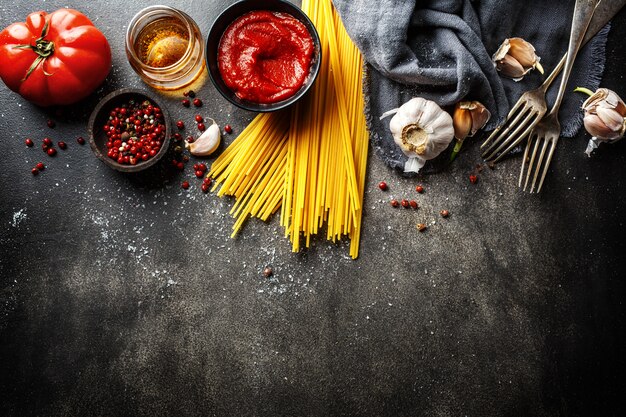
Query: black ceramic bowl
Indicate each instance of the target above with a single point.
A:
(100, 115)
(231, 14)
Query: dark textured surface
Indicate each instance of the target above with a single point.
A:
(125, 296)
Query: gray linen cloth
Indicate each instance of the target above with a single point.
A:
(442, 49)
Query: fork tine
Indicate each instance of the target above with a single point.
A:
(532, 118)
(524, 159)
(547, 165)
(519, 104)
(510, 124)
(538, 168)
(520, 138)
(532, 159)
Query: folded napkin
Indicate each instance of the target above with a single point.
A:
(442, 49)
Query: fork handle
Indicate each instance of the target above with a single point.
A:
(604, 13)
(583, 12)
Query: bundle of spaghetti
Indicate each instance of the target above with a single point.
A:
(310, 161)
(252, 168)
(351, 64)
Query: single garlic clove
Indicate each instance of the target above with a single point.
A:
(207, 143)
(597, 128)
(522, 51)
(612, 119)
(511, 68)
(462, 120)
(525, 54)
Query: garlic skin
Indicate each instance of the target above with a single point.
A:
(207, 143)
(469, 117)
(515, 58)
(422, 130)
(605, 117)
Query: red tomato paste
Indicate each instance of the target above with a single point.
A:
(265, 57)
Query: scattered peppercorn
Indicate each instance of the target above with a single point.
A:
(47, 141)
(382, 185)
(228, 129)
(29, 142)
(180, 124)
(186, 102)
(268, 272)
(202, 167)
(199, 118)
(185, 158)
(421, 227)
(190, 139)
(444, 213)
(178, 137)
(201, 127)
(62, 145)
(413, 204)
(51, 124)
(394, 203)
(197, 102)
(185, 185)
(180, 166)
(51, 151)
(80, 140)
(419, 189)
(207, 181)
(41, 166)
(405, 203)
(191, 93)
(205, 188)
(34, 171)
(199, 174)
(473, 179)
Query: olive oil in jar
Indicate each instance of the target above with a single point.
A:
(165, 48)
(162, 43)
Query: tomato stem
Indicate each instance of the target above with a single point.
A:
(42, 48)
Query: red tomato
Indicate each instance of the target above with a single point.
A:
(54, 59)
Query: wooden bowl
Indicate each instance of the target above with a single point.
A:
(100, 115)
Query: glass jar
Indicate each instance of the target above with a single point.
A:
(165, 47)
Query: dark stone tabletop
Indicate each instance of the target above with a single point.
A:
(125, 295)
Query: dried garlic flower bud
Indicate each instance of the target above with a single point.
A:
(515, 58)
(422, 130)
(605, 117)
(469, 117)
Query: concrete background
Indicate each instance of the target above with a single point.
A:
(125, 296)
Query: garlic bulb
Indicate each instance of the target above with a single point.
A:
(605, 117)
(515, 58)
(422, 130)
(207, 143)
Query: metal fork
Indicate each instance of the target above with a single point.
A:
(548, 130)
(531, 107)
(526, 113)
